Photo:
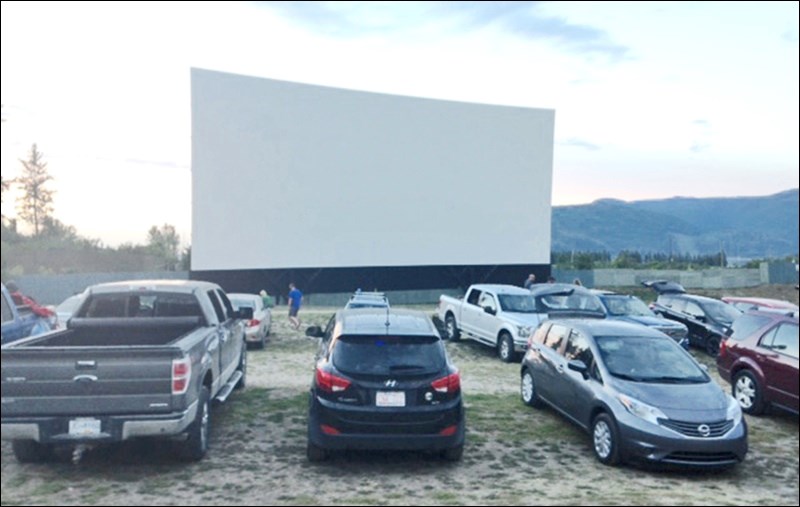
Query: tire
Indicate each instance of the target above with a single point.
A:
(315, 453)
(748, 392)
(450, 327)
(243, 368)
(453, 453)
(194, 448)
(505, 348)
(712, 346)
(527, 388)
(30, 451)
(605, 440)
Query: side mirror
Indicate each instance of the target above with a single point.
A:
(579, 366)
(490, 310)
(245, 313)
(314, 332)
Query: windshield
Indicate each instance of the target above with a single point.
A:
(721, 312)
(649, 359)
(517, 303)
(385, 355)
(627, 305)
(574, 301)
(242, 303)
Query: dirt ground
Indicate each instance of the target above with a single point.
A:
(514, 455)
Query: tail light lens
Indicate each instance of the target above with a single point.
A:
(330, 383)
(723, 347)
(181, 374)
(450, 384)
(254, 323)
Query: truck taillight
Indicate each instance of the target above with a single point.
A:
(181, 374)
(449, 384)
(330, 383)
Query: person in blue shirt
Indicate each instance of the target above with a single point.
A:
(295, 299)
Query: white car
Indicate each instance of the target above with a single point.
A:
(258, 328)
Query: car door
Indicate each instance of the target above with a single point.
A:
(578, 392)
(229, 350)
(471, 312)
(547, 372)
(486, 324)
(779, 362)
(695, 320)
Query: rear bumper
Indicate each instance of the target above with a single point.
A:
(411, 429)
(116, 428)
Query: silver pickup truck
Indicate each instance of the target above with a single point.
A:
(138, 359)
(505, 316)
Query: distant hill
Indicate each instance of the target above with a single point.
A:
(754, 227)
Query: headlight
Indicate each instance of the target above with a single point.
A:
(642, 410)
(524, 331)
(734, 410)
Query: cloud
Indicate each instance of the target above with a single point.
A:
(580, 143)
(701, 123)
(354, 19)
(698, 147)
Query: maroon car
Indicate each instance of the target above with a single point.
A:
(759, 360)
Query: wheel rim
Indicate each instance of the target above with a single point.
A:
(602, 439)
(504, 349)
(451, 327)
(744, 392)
(204, 427)
(527, 387)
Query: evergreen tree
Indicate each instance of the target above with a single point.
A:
(36, 203)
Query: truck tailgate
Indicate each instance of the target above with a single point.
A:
(87, 381)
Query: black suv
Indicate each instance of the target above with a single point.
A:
(709, 320)
(383, 381)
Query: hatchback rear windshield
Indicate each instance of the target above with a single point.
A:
(746, 325)
(383, 355)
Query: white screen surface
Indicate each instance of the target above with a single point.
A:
(287, 175)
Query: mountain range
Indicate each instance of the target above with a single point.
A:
(751, 227)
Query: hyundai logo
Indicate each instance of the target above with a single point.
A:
(704, 430)
(390, 383)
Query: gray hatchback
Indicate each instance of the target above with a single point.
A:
(637, 392)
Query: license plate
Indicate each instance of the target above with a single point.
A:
(390, 399)
(84, 427)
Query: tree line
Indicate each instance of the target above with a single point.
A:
(54, 247)
(632, 259)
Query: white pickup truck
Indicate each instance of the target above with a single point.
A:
(504, 316)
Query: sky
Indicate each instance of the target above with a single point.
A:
(652, 100)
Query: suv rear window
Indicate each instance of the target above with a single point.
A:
(388, 355)
(746, 325)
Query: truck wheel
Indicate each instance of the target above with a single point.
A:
(453, 334)
(194, 448)
(712, 346)
(747, 391)
(505, 348)
(30, 451)
(315, 453)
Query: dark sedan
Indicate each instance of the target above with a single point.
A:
(638, 393)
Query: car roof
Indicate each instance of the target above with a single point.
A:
(776, 314)
(606, 327)
(768, 302)
(243, 295)
(372, 321)
(543, 289)
(186, 286)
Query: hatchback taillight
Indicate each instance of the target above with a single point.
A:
(254, 323)
(181, 374)
(449, 384)
(330, 383)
